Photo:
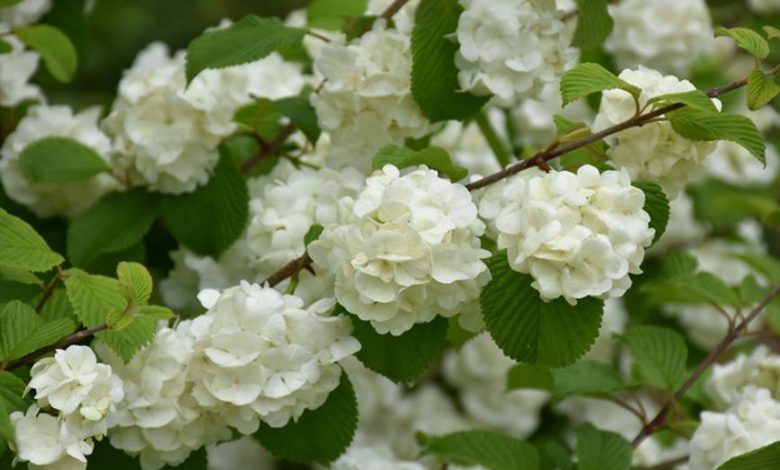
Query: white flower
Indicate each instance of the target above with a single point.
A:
(239, 455)
(379, 457)
(16, 69)
(577, 234)
(733, 163)
(764, 6)
(752, 422)
(467, 145)
(403, 20)
(479, 372)
(22, 14)
(259, 355)
(366, 102)
(727, 382)
(47, 443)
(410, 252)
(48, 199)
(668, 35)
(654, 152)
(511, 48)
(166, 136)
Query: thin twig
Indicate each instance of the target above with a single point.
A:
(317, 35)
(393, 9)
(268, 149)
(48, 290)
(290, 269)
(72, 339)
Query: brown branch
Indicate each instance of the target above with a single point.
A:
(268, 149)
(48, 290)
(290, 269)
(391, 10)
(65, 342)
(660, 419)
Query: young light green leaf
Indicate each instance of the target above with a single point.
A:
(760, 89)
(137, 278)
(490, 449)
(116, 222)
(249, 40)
(211, 218)
(319, 435)
(55, 48)
(746, 39)
(699, 125)
(529, 376)
(118, 321)
(602, 450)
(333, 14)
(763, 458)
(771, 32)
(586, 377)
(696, 99)
(60, 160)
(588, 78)
(593, 24)
(435, 85)
(312, 234)
(657, 206)
(528, 329)
(21, 247)
(45, 334)
(155, 311)
(433, 157)
(659, 354)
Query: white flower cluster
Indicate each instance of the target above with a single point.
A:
(49, 199)
(22, 14)
(166, 134)
(511, 48)
(667, 35)
(16, 68)
(411, 250)
(366, 102)
(764, 6)
(728, 381)
(403, 20)
(81, 393)
(654, 152)
(577, 234)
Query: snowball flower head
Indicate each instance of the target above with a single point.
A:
(511, 48)
(16, 68)
(727, 382)
(667, 35)
(49, 199)
(652, 153)
(410, 251)
(22, 14)
(46, 442)
(377, 457)
(260, 355)
(366, 102)
(577, 234)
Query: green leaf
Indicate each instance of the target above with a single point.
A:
(593, 24)
(435, 85)
(659, 354)
(9, 3)
(678, 262)
(131, 338)
(691, 288)
(760, 90)
(58, 306)
(21, 276)
(402, 358)
(55, 48)
(118, 321)
(156, 311)
(489, 449)
(602, 450)
(60, 160)
(115, 222)
(704, 126)
(333, 14)
(249, 40)
(5, 47)
(529, 376)
(766, 265)
(319, 435)
(592, 154)
(746, 39)
(696, 99)
(588, 78)
(211, 218)
(261, 117)
(764, 458)
(12, 391)
(528, 329)
(312, 234)
(586, 377)
(301, 113)
(138, 280)
(21, 247)
(435, 158)
(17, 321)
(45, 334)
(771, 32)
(657, 206)
(457, 336)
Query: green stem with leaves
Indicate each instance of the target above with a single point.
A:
(76, 337)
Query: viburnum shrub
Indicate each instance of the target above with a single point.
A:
(409, 234)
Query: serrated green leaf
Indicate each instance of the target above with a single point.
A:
(55, 48)
(691, 288)
(760, 89)
(593, 24)
(137, 278)
(156, 312)
(771, 32)
(586, 377)
(21, 247)
(12, 391)
(746, 39)
(5, 47)
(528, 329)
(60, 160)
(45, 334)
(17, 321)
(602, 450)
(529, 376)
(58, 306)
(401, 358)
(696, 99)
(333, 14)
(657, 206)
(764, 458)
(312, 234)
(301, 113)
(435, 85)
(489, 449)
(659, 354)
(588, 78)
(115, 222)
(118, 321)
(249, 40)
(699, 125)
(211, 218)
(319, 435)
(435, 158)
(131, 338)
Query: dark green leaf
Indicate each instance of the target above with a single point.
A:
(17, 321)
(55, 48)
(588, 78)
(764, 458)
(660, 355)
(602, 450)
(586, 377)
(489, 449)
(301, 113)
(60, 160)
(21, 247)
(760, 90)
(657, 206)
(529, 376)
(433, 157)
(746, 39)
(5, 47)
(704, 126)
(333, 14)
(9, 3)
(12, 391)
(593, 24)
